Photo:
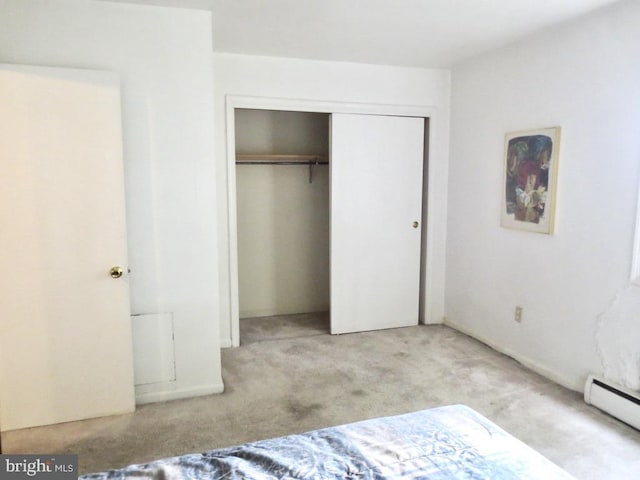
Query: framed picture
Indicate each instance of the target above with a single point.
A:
(530, 178)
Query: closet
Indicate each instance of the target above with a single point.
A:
(282, 201)
(329, 215)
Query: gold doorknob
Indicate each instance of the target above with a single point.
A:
(415, 224)
(116, 272)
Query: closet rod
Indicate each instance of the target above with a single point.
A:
(310, 160)
(274, 162)
(248, 159)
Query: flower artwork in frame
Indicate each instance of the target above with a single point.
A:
(530, 171)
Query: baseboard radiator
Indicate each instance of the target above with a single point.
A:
(617, 401)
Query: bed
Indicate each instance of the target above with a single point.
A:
(452, 442)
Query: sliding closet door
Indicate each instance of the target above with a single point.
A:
(376, 206)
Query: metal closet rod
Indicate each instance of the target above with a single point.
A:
(310, 160)
(248, 159)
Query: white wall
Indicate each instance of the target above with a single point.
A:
(278, 132)
(335, 82)
(584, 77)
(283, 220)
(163, 56)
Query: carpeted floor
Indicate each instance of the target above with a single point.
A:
(285, 380)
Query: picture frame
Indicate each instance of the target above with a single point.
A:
(530, 180)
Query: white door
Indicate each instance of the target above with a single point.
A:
(65, 339)
(376, 196)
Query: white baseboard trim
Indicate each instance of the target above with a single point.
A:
(276, 312)
(423, 321)
(166, 395)
(571, 384)
(225, 343)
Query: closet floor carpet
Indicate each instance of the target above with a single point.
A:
(280, 327)
(289, 385)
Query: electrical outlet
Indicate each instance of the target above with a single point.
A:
(518, 314)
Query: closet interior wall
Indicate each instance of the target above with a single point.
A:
(283, 218)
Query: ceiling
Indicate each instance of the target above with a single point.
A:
(417, 33)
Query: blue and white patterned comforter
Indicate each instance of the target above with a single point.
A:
(452, 442)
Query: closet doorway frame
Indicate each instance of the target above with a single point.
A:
(429, 113)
